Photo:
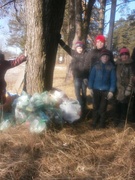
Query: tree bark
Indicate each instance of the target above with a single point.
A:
(78, 21)
(111, 27)
(87, 17)
(44, 21)
(101, 16)
(71, 22)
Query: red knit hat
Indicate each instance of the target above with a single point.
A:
(79, 44)
(124, 50)
(100, 38)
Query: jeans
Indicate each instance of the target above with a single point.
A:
(80, 91)
(100, 103)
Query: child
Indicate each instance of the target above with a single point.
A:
(94, 54)
(80, 76)
(124, 85)
(4, 66)
(102, 84)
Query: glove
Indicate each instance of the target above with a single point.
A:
(127, 93)
(91, 92)
(85, 82)
(109, 95)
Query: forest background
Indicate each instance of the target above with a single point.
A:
(76, 151)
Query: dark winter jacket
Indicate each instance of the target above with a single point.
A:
(78, 62)
(89, 57)
(4, 66)
(133, 66)
(124, 78)
(103, 77)
(93, 56)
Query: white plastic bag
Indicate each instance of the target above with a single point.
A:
(71, 110)
(37, 126)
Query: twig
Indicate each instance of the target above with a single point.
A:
(7, 3)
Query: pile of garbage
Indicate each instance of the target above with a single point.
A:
(41, 111)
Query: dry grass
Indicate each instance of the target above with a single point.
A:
(76, 152)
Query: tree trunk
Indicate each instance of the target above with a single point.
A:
(101, 16)
(87, 17)
(71, 22)
(44, 21)
(78, 21)
(111, 27)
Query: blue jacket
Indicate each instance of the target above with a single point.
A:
(103, 77)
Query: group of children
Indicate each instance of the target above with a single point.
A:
(105, 79)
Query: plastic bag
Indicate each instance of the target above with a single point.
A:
(37, 126)
(46, 98)
(56, 119)
(6, 120)
(37, 122)
(5, 125)
(22, 101)
(20, 115)
(35, 102)
(71, 110)
(58, 96)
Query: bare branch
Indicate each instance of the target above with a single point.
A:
(7, 3)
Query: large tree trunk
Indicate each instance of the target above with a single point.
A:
(44, 20)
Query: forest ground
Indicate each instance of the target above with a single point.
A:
(75, 152)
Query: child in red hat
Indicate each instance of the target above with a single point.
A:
(94, 54)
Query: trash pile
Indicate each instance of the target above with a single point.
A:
(41, 111)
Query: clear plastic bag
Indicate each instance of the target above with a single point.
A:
(57, 96)
(38, 122)
(35, 102)
(6, 120)
(5, 125)
(71, 110)
(22, 101)
(20, 115)
(37, 126)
